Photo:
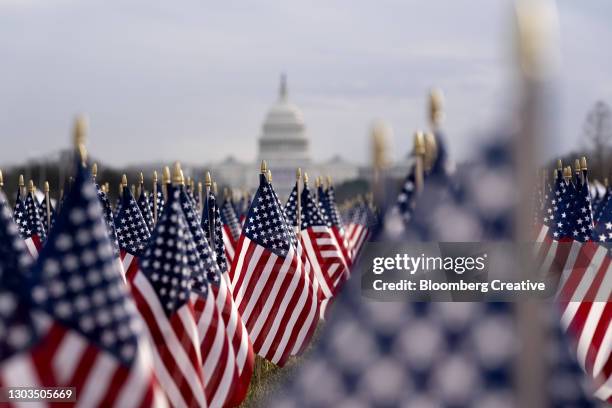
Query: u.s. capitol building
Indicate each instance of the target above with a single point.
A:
(285, 146)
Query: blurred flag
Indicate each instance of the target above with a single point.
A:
(328, 202)
(30, 224)
(90, 329)
(271, 287)
(231, 229)
(47, 216)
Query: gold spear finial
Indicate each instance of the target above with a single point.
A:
(94, 170)
(583, 163)
(436, 106)
(1, 179)
(317, 182)
(80, 134)
(154, 176)
(46, 187)
(166, 175)
(419, 143)
(124, 182)
(577, 165)
(21, 182)
(559, 164)
(141, 178)
(264, 167)
(208, 180)
(567, 173)
(298, 174)
(305, 178)
(31, 188)
(177, 177)
(269, 176)
(329, 181)
(214, 187)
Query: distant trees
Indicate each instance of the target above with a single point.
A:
(597, 132)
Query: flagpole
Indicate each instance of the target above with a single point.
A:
(47, 204)
(419, 154)
(211, 229)
(21, 186)
(165, 181)
(200, 197)
(298, 202)
(154, 196)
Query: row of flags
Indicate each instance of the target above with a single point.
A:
(166, 298)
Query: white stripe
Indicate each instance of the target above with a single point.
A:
(261, 283)
(213, 355)
(99, 377)
(325, 241)
(605, 391)
(179, 354)
(243, 250)
(568, 268)
(584, 343)
(228, 374)
(548, 259)
(206, 318)
(19, 371)
(120, 268)
(68, 355)
(127, 261)
(31, 247)
(604, 351)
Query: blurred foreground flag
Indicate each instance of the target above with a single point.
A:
(90, 331)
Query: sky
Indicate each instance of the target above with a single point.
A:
(192, 80)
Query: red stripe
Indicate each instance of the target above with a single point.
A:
(114, 386)
(43, 353)
(238, 248)
(585, 255)
(598, 335)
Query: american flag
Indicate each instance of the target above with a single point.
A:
(30, 224)
(231, 229)
(584, 269)
(358, 228)
(321, 247)
(132, 233)
(328, 203)
(91, 334)
(236, 358)
(272, 289)
(162, 291)
(145, 210)
(107, 214)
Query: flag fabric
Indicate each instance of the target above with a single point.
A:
(271, 286)
(359, 229)
(231, 229)
(334, 221)
(162, 291)
(132, 233)
(158, 198)
(145, 210)
(91, 334)
(43, 213)
(30, 224)
(240, 358)
(17, 334)
(321, 247)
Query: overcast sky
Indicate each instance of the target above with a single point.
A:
(192, 79)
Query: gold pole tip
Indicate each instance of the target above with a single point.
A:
(207, 179)
(21, 182)
(31, 186)
(46, 187)
(577, 165)
(305, 178)
(317, 182)
(94, 170)
(1, 179)
(269, 176)
(583, 163)
(214, 187)
(141, 178)
(298, 173)
(419, 143)
(177, 177)
(559, 164)
(166, 175)
(264, 167)
(154, 176)
(124, 182)
(329, 181)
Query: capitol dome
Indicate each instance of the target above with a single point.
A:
(283, 139)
